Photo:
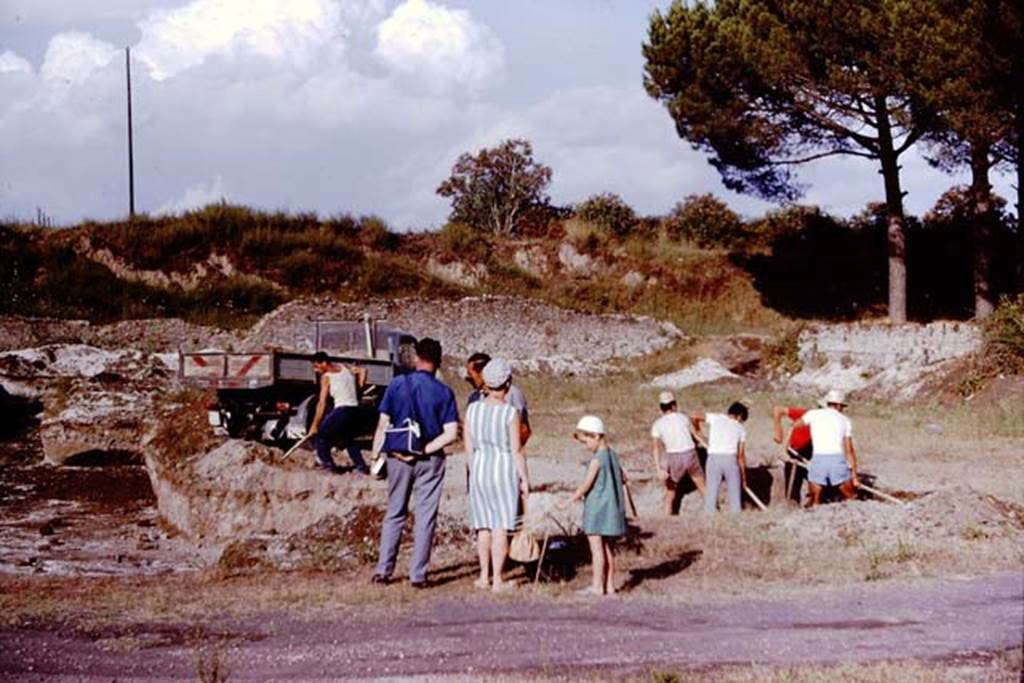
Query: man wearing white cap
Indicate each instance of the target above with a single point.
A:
(671, 436)
(834, 459)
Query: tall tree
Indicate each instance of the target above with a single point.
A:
(967, 79)
(763, 85)
(1008, 37)
(493, 189)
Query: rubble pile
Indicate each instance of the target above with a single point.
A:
(533, 335)
(958, 513)
(241, 489)
(93, 399)
(890, 361)
(160, 335)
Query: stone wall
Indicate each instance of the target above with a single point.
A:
(889, 360)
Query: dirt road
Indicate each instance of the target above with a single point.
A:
(478, 635)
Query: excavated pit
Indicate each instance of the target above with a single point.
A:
(97, 517)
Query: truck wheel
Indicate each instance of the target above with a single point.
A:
(234, 420)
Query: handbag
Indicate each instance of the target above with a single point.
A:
(524, 546)
(408, 434)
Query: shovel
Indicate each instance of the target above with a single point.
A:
(754, 498)
(629, 499)
(296, 447)
(746, 489)
(869, 489)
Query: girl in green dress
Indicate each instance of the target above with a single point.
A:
(604, 510)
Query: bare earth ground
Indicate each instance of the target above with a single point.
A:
(92, 587)
(480, 636)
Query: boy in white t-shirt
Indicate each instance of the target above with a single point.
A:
(671, 436)
(834, 459)
(727, 457)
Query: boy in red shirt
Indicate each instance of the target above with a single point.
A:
(800, 442)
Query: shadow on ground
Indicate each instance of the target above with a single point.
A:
(662, 570)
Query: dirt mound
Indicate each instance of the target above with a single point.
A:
(93, 399)
(958, 514)
(533, 335)
(24, 333)
(241, 489)
(81, 361)
(332, 544)
(162, 335)
(154, 335)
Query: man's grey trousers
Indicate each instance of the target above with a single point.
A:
(423, 481)
(720, 466)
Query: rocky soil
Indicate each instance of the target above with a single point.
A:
(105, 393)
(533, 336)
(881, 360)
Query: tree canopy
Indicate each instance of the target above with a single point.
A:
(961, 57)
(494, 189)
(762, 86)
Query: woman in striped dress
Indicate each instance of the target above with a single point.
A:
(498, 475)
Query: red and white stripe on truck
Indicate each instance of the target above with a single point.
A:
(202, 365)
(248, 366)
(228, 370)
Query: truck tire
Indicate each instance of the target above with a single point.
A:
(234, 419)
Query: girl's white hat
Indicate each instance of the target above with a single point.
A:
(590, 423)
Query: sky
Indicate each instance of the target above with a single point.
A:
(351, 106)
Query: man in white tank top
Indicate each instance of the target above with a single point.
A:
(671, 436)
(342, 384)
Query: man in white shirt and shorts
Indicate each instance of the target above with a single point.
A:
(834, 459)
(671, 437)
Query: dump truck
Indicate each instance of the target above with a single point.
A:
(271, 395)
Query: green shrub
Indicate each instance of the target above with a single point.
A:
(587, 237)
(389, 275)
(69, 286)
(375, 233)
(506, 277)
(464, 242)
(245, 293)
(609, 211)
(342, 224)
(706, 221)
(300, 270)
(1004, 336)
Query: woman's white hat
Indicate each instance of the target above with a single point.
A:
(496, 372)
(590, 423)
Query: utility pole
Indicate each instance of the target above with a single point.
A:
(131, 159)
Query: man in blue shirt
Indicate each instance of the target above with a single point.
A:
(418, 418)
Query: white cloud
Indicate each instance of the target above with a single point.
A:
(294, 33)
(195, 197)
(609, 139)
(337, 105)
(13, 63)
(72, 57)
(441, 49)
